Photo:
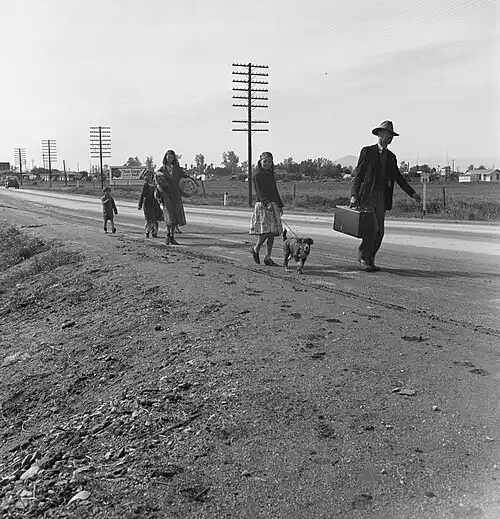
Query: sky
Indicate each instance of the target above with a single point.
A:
(159, 73)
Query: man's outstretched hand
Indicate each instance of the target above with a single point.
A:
(416, 197)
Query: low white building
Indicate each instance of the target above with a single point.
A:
(480, 175)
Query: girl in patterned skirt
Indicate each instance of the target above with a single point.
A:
(266, 218)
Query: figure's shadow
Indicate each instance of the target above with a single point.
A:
(341, 271)
(439, 274)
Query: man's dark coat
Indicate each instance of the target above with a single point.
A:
(369, 168)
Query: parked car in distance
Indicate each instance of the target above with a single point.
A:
(12, 182)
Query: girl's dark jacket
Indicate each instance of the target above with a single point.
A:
(265, 188)
(367, 170)
(148, 202)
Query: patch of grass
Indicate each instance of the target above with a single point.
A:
(23, 255)
(16, 246)
(472, 209)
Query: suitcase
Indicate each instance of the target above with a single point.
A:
(354, 222)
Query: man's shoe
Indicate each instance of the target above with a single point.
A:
(367, 267)
(147, 235)
(173, 241)
(375, 268)
(114, 230)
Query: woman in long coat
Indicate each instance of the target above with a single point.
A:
(169, 194)
(152, 210)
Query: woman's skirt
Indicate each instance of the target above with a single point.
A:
(266, 221)
(173, 211)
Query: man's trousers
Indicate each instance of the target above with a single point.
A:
(371, 243)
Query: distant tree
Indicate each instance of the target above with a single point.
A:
(200, 163)
(334, 171)
(150, 163)
(327, 168)
(308, 168)
(481, 167)
(210, 169)
(133, 162)
(289, 165)
(230, 161)
(471, 167)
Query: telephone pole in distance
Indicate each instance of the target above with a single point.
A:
(49, 152)
(100, 145)
(250, 102)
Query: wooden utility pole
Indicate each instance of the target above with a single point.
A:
(49, 149)
(20, 159)
(100, 145)
(250, 105)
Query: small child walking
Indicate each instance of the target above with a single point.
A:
(108, 209)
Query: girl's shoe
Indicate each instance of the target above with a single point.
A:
(114, 230)
(270, 263)
(255, 256)
(167, 239)
(173, 241)
(147, 235)
(155, 235)
(177, 230)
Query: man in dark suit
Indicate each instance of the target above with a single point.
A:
(373, 187)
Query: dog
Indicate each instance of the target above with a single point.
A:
(296, 248)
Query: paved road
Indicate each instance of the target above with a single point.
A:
(449, 271)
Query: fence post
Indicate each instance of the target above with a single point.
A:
(424, 197)
(294, 193)
(444, 198)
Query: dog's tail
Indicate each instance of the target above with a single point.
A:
(284, 235)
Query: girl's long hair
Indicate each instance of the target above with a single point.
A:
(170, 152)
(259, 164)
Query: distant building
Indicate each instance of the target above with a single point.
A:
(444, 171)
(480, 175)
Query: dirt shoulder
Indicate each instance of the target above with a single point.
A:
(157, 382)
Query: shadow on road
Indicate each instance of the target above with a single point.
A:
(336, 271)
(439, 274)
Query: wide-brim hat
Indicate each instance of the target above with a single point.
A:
(386, 125)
